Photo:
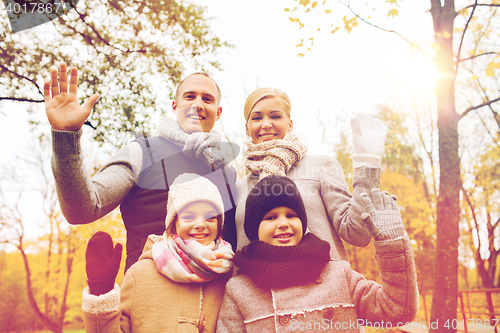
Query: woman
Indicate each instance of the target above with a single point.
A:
(274, 150)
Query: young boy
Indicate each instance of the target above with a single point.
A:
(287, 282)
(178, 283)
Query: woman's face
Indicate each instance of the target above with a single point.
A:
(268, 121)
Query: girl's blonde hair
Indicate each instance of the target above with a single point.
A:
(263, 93)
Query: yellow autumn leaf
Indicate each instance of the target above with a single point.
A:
(301, 25)
(328, 11)
(334, 30)
(393, 12)
(494, 64)
(350, 24)
(300, 55)
(392, 2)
(314, 4)
(464, 12)
(287, 10)
(474, 77)
(304, 2)
(489, 71)
(301, 43)
(438, 34)
(446, 34)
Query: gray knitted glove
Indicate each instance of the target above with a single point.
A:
(368, 139)
(383, 219)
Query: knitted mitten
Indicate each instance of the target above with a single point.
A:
(384, 218)
(368, 139)
(102, 263)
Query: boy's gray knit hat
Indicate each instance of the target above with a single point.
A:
(188, 188)
(269, 193)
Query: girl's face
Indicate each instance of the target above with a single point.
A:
(197, 221)
(268, 121)
(281, 226)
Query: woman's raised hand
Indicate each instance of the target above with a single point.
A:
(368, 134)
(63, 111)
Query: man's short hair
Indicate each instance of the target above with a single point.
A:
(197, 73)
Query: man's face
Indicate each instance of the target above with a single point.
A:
(197, 105)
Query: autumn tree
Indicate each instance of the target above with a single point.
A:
(50, 249)
(482, 197)
(133, 53)
(474, 22)
(47, 279)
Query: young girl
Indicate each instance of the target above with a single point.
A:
(286, 281)
(178, 283)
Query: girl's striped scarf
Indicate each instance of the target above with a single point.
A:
(188, 261)
(274, 157)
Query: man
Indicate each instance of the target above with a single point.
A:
(138, 176)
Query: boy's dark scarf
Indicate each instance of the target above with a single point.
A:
(272, 266)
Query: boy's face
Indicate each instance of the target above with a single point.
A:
(197, 105)
(281, 226)
(197, 221)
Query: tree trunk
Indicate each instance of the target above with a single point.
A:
(444, 301)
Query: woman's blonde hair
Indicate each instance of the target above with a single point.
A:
(263, 93)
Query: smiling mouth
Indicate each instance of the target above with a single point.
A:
(195, 117)
(267, 136)
(198, 236)
(283, 236)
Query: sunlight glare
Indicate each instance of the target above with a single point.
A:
(419, 73)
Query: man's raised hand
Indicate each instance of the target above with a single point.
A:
(63, 111)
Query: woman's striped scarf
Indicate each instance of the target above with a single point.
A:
(188, 261)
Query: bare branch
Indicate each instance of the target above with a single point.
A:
(476, 56)
(482, 4)
(386, 30)
(21, 99)
(463, 36)
(82, 17)
(472, 108)
(22, 77)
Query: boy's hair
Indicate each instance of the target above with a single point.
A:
(263, 93)
(172, 230)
